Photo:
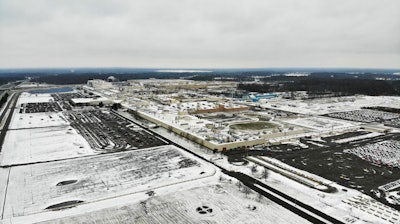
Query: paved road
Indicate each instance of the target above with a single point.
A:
(13, 100)
(312, 215)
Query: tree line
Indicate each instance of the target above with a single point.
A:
(344, 86)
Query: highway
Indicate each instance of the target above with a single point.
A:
(6, 116)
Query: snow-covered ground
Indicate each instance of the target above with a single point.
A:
(26, 97)
(221, 203)
(331, 105)
(158, 185)
(334, 204)
(38, 137)
(359, 137)
(42, 144)
(321, 124)
(174, 204)
(294, 174)
(33, 188)
(37, 120)
(3, 186)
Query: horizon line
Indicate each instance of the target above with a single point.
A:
(195, 68)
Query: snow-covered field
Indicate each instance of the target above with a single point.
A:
(334, 104)
(38, 137)
(33, 98)
(42, 144)
(290, 172)
(321, 124)
(374, 208)
(157, 185)
(330, 203)
(34, 120)
(221, 203)
(34, 188)
(3, 186)
(37, 120)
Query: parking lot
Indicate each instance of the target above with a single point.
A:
(108, 132)
(395, 122)
(40, 107)
(64, 99)
(364, 115)
(329, 160)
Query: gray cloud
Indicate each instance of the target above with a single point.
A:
(208, 33)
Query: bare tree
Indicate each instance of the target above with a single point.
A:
(246, 191)
(259, 197)
(265, 173)
(239, 184)
(254, 169)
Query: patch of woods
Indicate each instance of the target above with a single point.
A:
(338, 83)
(82, 78)
(340, 87)
(7, 79)
(3, 99)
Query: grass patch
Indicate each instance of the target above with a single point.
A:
(259, 125)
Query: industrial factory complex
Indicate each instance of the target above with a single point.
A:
(185, 151)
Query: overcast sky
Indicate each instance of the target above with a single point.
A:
(200, 33)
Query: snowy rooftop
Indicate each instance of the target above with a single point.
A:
(331, 105)
(88, 100)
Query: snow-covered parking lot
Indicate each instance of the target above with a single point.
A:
(46, 186)
(42, 144)
(364, 115)
(381, 153)
(321, 123)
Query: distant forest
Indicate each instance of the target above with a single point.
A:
(7, 79)
(64, 79)
(317, 82)
(340, 87)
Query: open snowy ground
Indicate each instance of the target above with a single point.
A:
(42, 144)
(3, 186)
(37, 120)
(207, 200)
(219, 203)
(321, 124)
(334, 104)
(334, 204)
(26, 97)
(43, 187)
(39, 137)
